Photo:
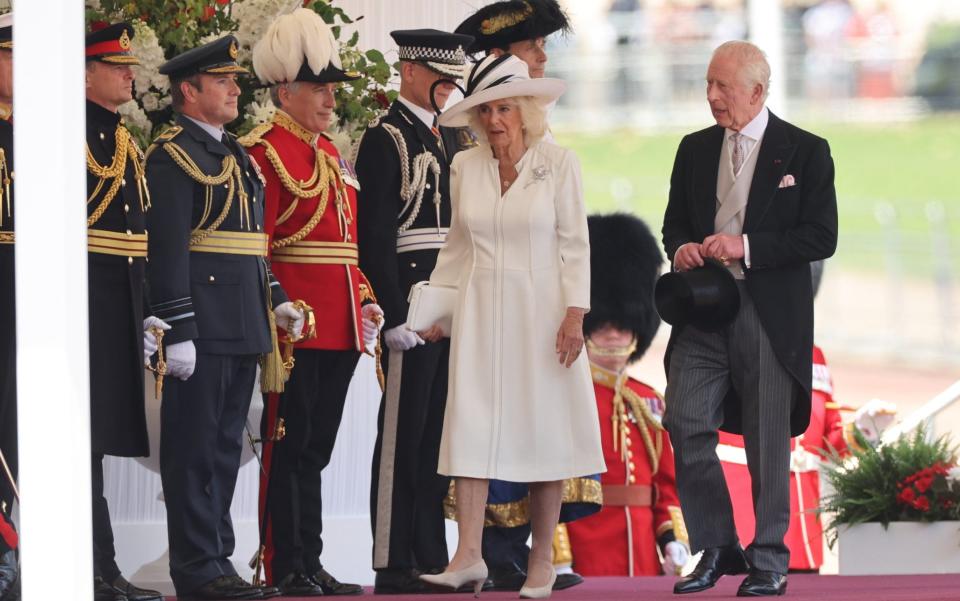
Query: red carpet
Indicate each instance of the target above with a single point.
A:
(802, 587)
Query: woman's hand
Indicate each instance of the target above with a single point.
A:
(570, 336)
(434, 334)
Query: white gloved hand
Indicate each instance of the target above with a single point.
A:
(675, 556)
(371, 326)
(873, 418)
(289, 318)
(149, 339)
(181, 359)
(401, 339)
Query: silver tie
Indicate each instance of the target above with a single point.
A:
(737, 140)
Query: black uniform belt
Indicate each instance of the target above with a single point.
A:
(232, 243)
(120, 244)
(317, 253)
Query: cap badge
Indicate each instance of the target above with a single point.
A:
(233, 50)
(124, 40)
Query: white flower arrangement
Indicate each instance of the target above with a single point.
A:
(146, 47)
(253, 17)
(134, 116)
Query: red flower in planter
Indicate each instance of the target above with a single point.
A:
(208, 13)
(923, 484)
(922, 503)
(906, 496)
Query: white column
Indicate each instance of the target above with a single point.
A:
(52, 365)
(765, 24)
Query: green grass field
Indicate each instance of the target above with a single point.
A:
(904, 167)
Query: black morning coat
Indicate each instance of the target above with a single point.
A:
(787, 228)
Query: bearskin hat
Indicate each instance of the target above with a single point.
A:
(502, 23)
(625, 262)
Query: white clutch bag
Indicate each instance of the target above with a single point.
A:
(431, 305)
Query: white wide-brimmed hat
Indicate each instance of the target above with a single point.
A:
(498, 77)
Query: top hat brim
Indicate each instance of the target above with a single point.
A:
(545, 90)
(706, 297)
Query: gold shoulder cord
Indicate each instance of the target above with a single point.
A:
(126, 149)
(229, 175)
(6, 201)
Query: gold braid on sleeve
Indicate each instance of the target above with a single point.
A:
(6, 208)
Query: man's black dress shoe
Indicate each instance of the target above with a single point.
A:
(224, 588)
(332, 586)
(760, 583)
(265, 592)
(507, 577)
(135, 593)
(714, 563)
(399, 581)
(104, 591)
(567, 580)
(9, 576)
(298, 584)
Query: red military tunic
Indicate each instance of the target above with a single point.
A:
(313, 256)
(639, 487)
(805, 535)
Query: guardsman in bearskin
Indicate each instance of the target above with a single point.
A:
(117, 203)
(826, 431)
(641, 512)
(404, 215)
(210, 281)
(310, 210)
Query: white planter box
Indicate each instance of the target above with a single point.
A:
(902, 548)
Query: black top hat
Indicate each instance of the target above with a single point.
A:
(330, 74)
(502, 23)
(6, 31)
(625, 261)
(706, 297)
(218, 56)
(111, 44)
(441, 51)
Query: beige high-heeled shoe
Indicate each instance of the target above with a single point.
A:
(477, 574)
(539, 592)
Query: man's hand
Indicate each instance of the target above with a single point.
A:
(401, 339)
(372, 317)
(290, 318)
(723, 247)
(675, 556)
(688, 257)
(873, 418)
(150, 344)
(181, 359)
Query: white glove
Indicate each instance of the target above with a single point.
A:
(401, 339)
(873, 418)
(371, 326)
(289, 318)
(149, 339)
(181, 359)
(675, 556)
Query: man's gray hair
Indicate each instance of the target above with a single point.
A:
(275, 91)
(753, 62)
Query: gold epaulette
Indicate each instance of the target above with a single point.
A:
(253, 136)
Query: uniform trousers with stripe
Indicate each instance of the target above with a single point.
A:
(406, 493)
(311, 406)
(201, 425)
(703, 367)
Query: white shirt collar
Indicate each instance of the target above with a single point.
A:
(215, 132)
(421, 113)
(753, 130)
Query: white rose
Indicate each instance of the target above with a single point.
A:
(954, 474)
(150, 102)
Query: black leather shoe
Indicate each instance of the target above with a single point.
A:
(567, 580)
(398, 581)
(298, 584)
(714, 563)
(9, 576)
(265, 592)
(224, 588)
(104, 591)
(332, 586)
(507, 578)
(135, 593)
(760, 583)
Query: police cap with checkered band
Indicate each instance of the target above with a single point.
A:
(440, 51)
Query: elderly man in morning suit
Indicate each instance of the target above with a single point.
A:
(756, 194)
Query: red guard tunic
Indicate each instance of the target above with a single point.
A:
(640, 501)
(805, 534)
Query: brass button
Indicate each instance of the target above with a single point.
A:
(258, 227)
(145, 231)
(631, 466)
(349, 237)
(129, 233)
(130, 260)
(427, 186)
(102, 136)
(226, 186)
(632, 479)
(629, 442)
(213, 279)
(126, 208)
(413, 264)
(248, 173)
(123, 181)
(629, 453)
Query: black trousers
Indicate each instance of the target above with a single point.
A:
(201, 425)
(8, 390)
(104, 553)
(406, 493)
(506, 548)
(312, 406)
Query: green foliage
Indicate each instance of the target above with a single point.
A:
(867, 483)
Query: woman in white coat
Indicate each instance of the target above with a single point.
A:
(520, 404)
